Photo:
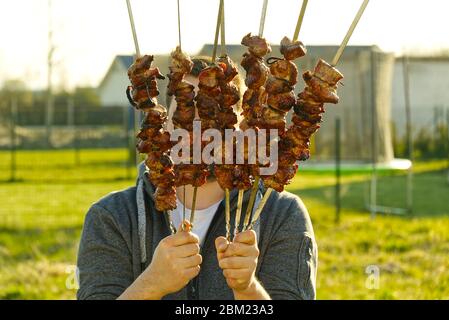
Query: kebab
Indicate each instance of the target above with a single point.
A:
(254, 101)
(321, 88)
(278, 97)
(217, 111)
(184, 92)
(153, 140)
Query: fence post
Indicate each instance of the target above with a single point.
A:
(374, 148)
(409, 133)
(447, 138)
(72, 127)
(13, 149)
(337, 169)
(126, 126)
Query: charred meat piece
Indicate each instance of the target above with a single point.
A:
(229, 68)
(211, 77)
(292, 50)
(282, 102)
(323, 82)
(256, 71)
(257, 46)
(285, 70)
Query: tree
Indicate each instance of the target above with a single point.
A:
(16, 89)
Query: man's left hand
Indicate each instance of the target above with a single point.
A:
(238, 260)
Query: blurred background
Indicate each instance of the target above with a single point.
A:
(376, 187)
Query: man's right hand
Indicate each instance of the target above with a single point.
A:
(175, 262)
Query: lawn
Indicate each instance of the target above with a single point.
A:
(41, 216)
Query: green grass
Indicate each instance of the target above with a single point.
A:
(41, 217)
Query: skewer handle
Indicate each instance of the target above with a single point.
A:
(133, 27)
(251, 201)
(349, 33)
(260, 208)
(238, 213)
(192, 212)
(300, 19)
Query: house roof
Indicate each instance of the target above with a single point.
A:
(127, 61)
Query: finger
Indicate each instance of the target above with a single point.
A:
(191, 273)
(221, 244)
(235, 284)
(237, 263)
(237, 274)
(241, 249)
(182, 238)
(190, 262)
(185, 226)
(186, 250)
(248, 237)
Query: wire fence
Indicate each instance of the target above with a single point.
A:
(78, 139)
(92, 151)
(49, 175)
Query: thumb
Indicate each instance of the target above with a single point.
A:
(185, 226)
(221, 244)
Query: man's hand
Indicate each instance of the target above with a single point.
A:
(239, 261)
(176, 261)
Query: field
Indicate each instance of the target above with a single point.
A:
(42, 212)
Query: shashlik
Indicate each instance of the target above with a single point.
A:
(184, 92)
(294, 144)
(153, 140)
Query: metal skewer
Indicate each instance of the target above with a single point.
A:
(179, 25)
(184, 207)
(183, 187)
(228, 215)
(217, 29)
(263, 17)
(223, 29)
(252, 199)
(221, 21)
(214, 54)
(250, 207)
(238, 213)
(260, 208)
(192, 212)
(334, 63)
(300, 19)
(133, 28)
(349, 33)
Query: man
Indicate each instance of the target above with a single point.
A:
(128, 250)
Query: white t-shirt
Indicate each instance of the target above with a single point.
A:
(203, 218)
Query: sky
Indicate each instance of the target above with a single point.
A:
(88, 34)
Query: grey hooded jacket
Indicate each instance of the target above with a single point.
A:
(122, 230)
